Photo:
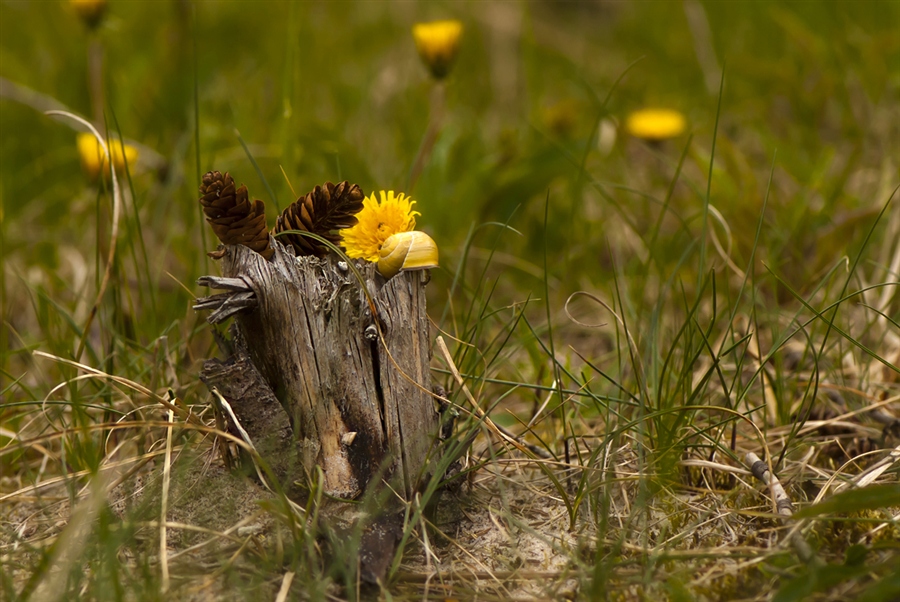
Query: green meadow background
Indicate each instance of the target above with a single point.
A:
(335, 90)
(752, 231)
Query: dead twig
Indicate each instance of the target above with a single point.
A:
(783, 505)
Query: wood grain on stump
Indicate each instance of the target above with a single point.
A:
(314, 381)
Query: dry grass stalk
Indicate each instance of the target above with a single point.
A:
(873, 472)
(164, 507)
(285, 587)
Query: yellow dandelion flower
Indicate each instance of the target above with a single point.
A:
(378, 220)
(89, 11)
(655, 124)
(561, 118)
(438, 43)
(93, 159)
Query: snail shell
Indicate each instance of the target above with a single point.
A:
(407, 251)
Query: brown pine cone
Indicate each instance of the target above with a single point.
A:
(234, 219)
(323, 211)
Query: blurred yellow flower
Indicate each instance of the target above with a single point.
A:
(561, 118)
(378, 220)
(93, 159)
(90, 11)
(655, 124)
(438, 43)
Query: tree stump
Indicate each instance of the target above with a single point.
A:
(327, 372)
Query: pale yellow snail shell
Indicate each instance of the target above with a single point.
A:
(407, 251)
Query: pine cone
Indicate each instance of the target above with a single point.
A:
(234, 219)
(323, 211)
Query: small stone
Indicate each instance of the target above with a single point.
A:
(253, 529)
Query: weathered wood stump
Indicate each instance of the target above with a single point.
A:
(327, 372)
